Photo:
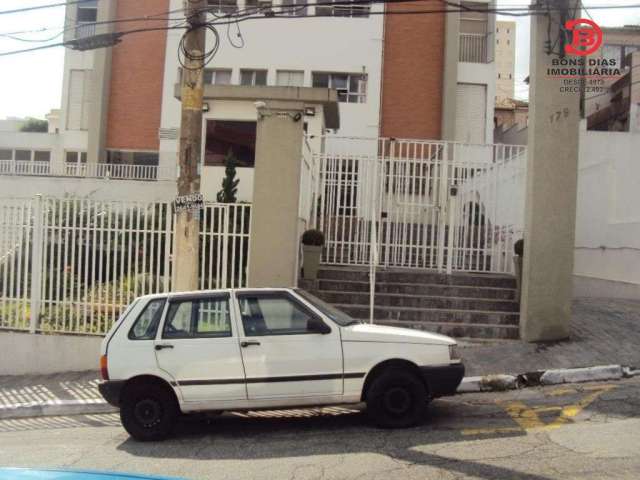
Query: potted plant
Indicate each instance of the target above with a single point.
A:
(312, 242)
(518, 249)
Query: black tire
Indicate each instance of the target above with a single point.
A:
(148, 411)
(397, 398)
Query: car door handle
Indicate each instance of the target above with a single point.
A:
(163, 346)
(249, 343)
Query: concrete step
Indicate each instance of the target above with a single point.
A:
(431, 315)
(458, 330)
(420, 301)
(419, 289)
(418, 277)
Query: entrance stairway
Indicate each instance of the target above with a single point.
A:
(466, 305)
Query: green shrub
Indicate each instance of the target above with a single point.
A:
(313, 237)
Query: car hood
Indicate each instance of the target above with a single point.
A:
(380, 333)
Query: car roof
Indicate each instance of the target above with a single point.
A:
(214, 291)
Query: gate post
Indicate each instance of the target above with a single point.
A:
(36, 264)
(453, 204)
(442, 204)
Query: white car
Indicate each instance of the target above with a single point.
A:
(265, 348)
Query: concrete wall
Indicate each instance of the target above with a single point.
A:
(92, 188)
(36, 354)
(607, 254)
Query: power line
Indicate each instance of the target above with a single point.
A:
(40, 7)
(71, 42)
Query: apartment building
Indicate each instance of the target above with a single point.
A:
(403, 76)
(505, 60)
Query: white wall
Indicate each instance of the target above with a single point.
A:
(608, 217)
(91, 188)
(482, 74)
(36, 354)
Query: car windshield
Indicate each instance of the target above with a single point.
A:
(329, 310)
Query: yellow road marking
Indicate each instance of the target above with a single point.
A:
(527, 417)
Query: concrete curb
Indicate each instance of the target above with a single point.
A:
(57, 407)
(487, 383)
(499, 383)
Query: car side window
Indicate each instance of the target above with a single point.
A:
(276, 315)
(198, 318)
(146, 325)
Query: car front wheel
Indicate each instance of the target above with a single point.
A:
(148, 412)
(397, 398)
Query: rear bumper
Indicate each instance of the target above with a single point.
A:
(444, 380)
(110, 391)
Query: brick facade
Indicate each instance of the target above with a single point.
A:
(137, 71)
(412, 72)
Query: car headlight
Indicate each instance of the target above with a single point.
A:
(453, 352)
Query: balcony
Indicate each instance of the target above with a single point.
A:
(85, 170)
(474, 48)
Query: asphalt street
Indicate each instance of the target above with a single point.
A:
(586, 431)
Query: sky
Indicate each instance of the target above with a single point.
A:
(31, 83)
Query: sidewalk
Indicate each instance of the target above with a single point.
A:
(605, 332)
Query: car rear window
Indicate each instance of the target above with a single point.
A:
(146, 325)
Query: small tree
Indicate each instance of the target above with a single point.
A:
(229, 182)
(35, 125)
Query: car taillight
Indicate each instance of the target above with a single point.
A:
(103, 367)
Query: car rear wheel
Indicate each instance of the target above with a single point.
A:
(148, 412)
(397, 398)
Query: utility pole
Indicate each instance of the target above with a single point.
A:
(552, 172)
(187, 227)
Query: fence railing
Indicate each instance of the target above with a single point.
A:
(474, 48)
(434, 205)
(73, 265)
(95, 170)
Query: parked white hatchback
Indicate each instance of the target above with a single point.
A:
(265, 348)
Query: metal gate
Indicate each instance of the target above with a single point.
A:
(417, 204)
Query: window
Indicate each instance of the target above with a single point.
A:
(352, 88)
(86, 18)
(41, 156)
(23, 155)
(343, 9)
(327, 309)
(253, 77)
(299, 10)
(6, 154)
(146, 325)
(223, 6)
(75, 157)
(87, 11)
(508, 42)
(217, 76)
(224, 136)
(499, 76)
(198, 318)
(117, 157)
(289, 78)
(276, 314)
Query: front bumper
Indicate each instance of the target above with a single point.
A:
(110, 391)
(443, 380)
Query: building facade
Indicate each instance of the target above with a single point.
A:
(402, 76)
(505, 60)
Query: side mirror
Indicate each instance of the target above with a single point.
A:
(318, 326)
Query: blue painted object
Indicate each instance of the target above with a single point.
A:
(31, 474)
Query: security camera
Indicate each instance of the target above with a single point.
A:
(259, 105)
